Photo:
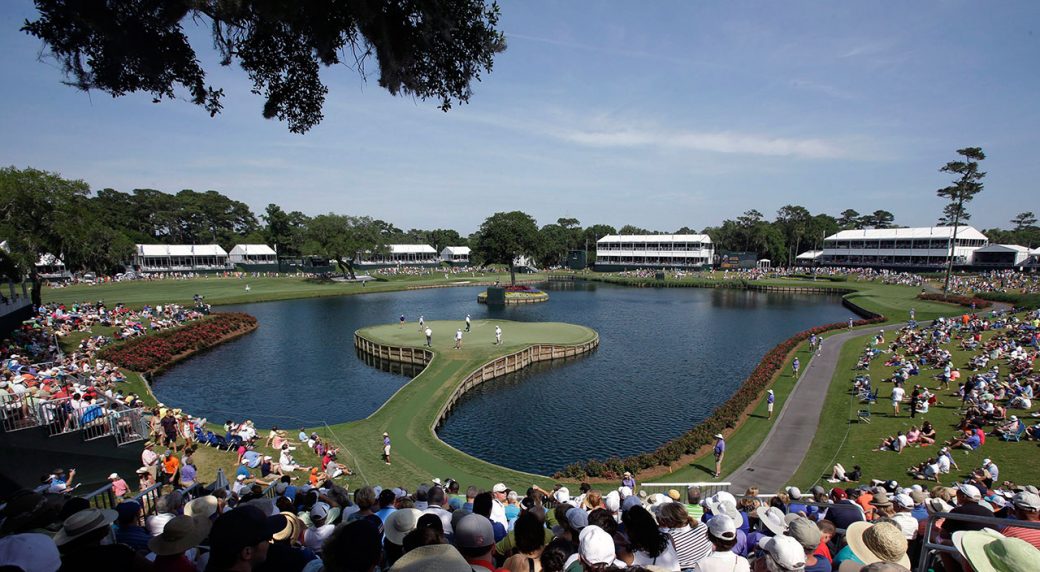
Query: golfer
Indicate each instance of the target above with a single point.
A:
(402, 321)
(458, 339)
(467, 322)
(498, 336)
(720, 452)
(770, 400)
(422, 323)
(429, 338)
(796, 365)
(386, 448)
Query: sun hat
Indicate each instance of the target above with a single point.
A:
(881, 542)
(937, 505)
(432, 558)
(630, 502)
(721, 526)
(203, 506)
(499, 488)
(989, 551)
(881, 500)
(784, 551)
(627, 474)
(291, 526)
(180, 533)
(719, 436)
(919, 497)
(31, 552)
(113, 476)
(562, 495)
(674, 495)
(624, 491)
(970, 491)
(986, 462)
(772, 518)
(724, 502)
(240, 477)
(794, 492)
(577, 518)
(595, 546)
(474, 531)
(399, 523)
(83, 522)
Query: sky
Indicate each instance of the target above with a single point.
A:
(660, 115)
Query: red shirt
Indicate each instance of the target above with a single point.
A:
(824, 551)
(1030, 535)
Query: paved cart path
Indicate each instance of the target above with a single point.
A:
(779, 456)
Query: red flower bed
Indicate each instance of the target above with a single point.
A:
(725, 416)
(151, 353)
(966, 301)
(521, 288)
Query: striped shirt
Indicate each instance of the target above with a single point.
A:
(1030, 535)
(691, 544)
(695, 511)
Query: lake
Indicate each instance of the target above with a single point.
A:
(667, 358)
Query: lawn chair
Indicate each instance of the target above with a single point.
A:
(863, 415)
(1017, 435)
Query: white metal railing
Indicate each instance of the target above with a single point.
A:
(707, 489)
(930, 548)
(19, 411)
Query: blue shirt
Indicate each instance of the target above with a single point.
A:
(973, 441)
(720, 447)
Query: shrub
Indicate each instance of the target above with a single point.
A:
(154, 352)
(1022, 301)
(966, 301)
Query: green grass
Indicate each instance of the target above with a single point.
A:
(1017, 461)
(218, 291)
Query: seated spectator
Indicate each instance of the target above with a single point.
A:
(180, 535)
(128, 531)
(475, 539)
(240, 539)
(648, 544)
(82, 539)
(353, 546)
(1026, 506)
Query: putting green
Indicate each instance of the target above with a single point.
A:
(417, 453)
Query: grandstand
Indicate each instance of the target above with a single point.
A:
(907, 248)
(180, 258)
(664, 251)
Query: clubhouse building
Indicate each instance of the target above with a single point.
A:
(909, 248)
(665, 251)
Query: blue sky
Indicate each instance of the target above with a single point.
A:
(661, 115)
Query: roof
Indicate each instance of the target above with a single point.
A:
(1004, 248)
(180, 250)
(809, 255)
(253, 249)
(411, 249)
(655, 238)
(456, 250)
(966, 232)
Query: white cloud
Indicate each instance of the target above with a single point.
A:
(715, 142)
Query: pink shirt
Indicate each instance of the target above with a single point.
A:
(119, 487)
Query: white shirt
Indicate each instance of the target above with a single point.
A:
(723, 562)
(429, 332)
(944, 463)
(898, 393)
(907, 524)
(498, 513)
(157, 522)
(667, 560)
(313, 538)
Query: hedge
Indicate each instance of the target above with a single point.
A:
(966, 301)
(725, 416)
(1021, 301)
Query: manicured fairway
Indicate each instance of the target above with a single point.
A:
(233, 290)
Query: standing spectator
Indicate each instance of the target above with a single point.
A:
(720, 452)
(386, 447)
(150, 459)
(897, 397)
(770, 400)
(119, 486)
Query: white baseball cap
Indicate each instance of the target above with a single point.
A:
(498, 488)
(970, 491)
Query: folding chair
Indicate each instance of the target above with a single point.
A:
(863, 415)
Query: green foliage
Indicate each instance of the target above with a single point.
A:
(423, 49)
(504, 236)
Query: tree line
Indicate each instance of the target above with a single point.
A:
(43, 212)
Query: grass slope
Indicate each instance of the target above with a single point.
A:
(1017, 461)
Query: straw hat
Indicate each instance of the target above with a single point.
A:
(293, 528)
(432, 558)
(881, 500)
(203, 506)
(180, 533)
(83, 522)
(989, 551)
(881, 542)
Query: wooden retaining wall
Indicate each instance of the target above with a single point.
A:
(495, 368)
